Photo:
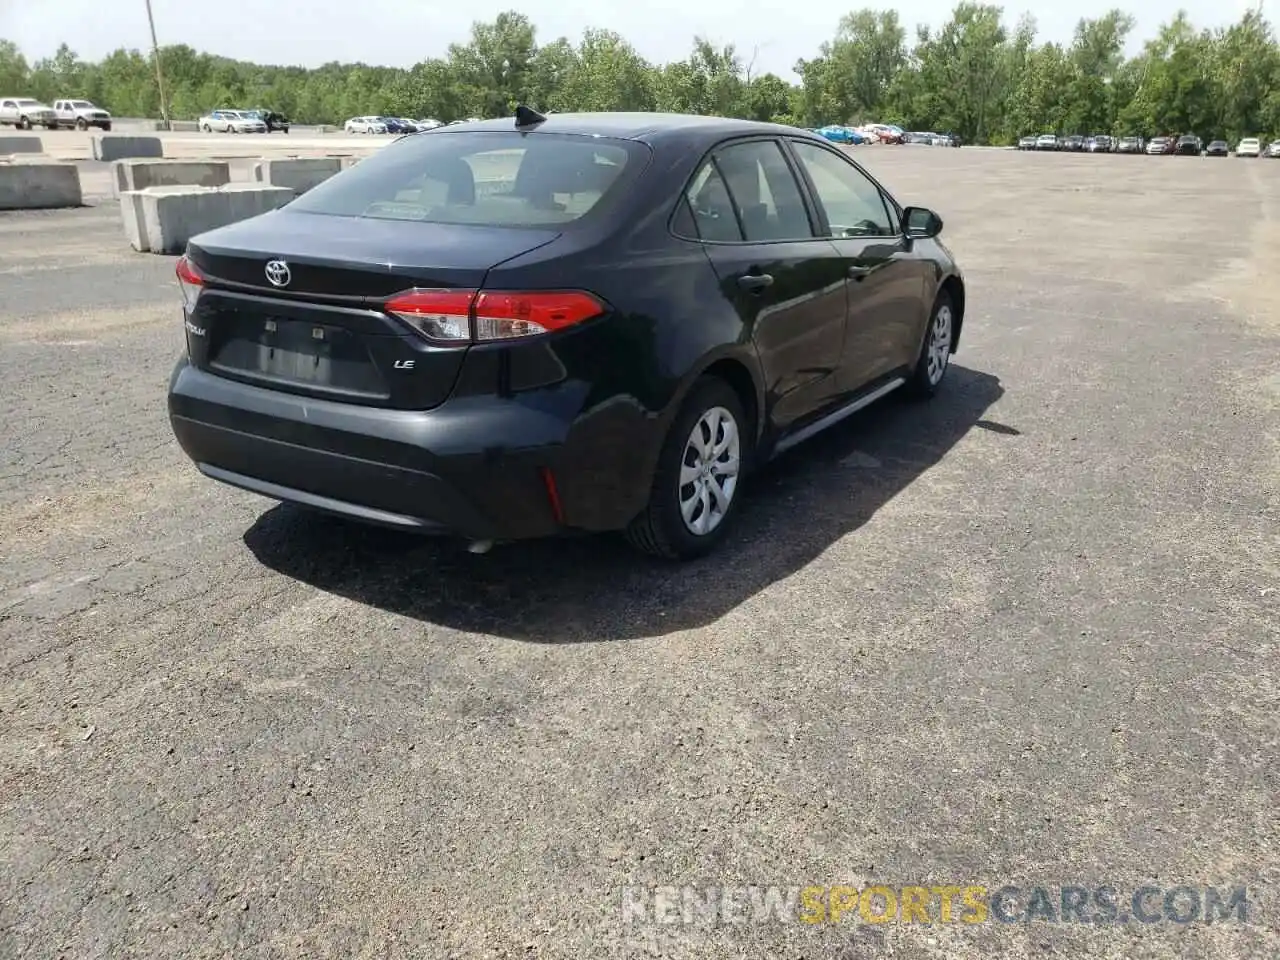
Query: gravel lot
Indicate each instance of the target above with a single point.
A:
(1024, 635)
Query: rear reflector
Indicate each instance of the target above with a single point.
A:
(190, 280)
(466, 316)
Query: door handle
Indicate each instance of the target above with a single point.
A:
(755, 282)
(857, 272)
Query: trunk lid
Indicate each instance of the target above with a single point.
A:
(322, 331)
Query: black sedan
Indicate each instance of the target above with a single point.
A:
(1189, 145)
(586, 322)
(1217, 148)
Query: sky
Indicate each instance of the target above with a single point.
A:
(403, 32)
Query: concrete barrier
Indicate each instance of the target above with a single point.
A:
(39, 186)
(141, 174)
(299, 174)
(184, 126)
(21, 145)
(163, 219)
(113, 147)
(349, 162)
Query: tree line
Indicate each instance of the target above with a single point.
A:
(975, 75)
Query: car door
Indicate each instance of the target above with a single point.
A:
(886, 279)
(786, 284)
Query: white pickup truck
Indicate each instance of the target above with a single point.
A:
(25, 113)
(81, 114)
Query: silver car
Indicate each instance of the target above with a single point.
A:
(231, 121)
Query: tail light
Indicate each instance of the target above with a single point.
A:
(191, 280)
(475, 316)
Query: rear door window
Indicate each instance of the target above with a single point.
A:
(765, 193)
(484, 178)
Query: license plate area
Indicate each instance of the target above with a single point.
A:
(304, 353)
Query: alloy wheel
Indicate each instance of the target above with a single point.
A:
(709, 471)
(939, 349)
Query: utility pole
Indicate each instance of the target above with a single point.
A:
(155, 47)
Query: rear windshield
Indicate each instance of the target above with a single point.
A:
(496, 179)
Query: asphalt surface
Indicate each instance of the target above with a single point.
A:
(1024, 634)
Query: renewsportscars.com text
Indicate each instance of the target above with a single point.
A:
(936, 903)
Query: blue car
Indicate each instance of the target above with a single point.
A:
(396, 125)
(838, 134)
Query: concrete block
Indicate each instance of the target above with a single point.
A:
(39, 186)
(184, 126)
(21, 145)
(141, 174)
(349, 162)
(299, 174)
(110, 146)
(163, 219)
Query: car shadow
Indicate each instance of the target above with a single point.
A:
(594, 588)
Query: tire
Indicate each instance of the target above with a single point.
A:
(208, 129)
(81, 124)
(661, 529)
(24, 123)
(935, 352)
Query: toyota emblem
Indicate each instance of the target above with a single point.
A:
(278, 274)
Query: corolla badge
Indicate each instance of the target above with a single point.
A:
(278, 274)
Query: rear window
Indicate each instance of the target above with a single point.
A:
(495, 179)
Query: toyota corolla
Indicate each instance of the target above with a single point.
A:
(591, 322)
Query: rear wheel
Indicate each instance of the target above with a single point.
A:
(935, 352)
(697, 483)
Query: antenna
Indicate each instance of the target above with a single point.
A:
(528, 117)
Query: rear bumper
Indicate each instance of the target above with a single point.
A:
(483, 467)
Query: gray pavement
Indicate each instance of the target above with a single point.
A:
(1025, 634)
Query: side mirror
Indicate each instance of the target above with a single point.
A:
(921, 222)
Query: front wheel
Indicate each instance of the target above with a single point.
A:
(935, 352)
(24, 123)
(696, 487)
(81, 124)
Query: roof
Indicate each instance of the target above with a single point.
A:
(648, 127)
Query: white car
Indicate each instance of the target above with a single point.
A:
(231, 121)
(364, 125)
(1274, 149)
(81, 114)
(428, 124)
(1249, 147)
(25, 113)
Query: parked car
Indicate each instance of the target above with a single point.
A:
(1130, 145)
(1217, 148)
(81, 114)
(1047, 141)
(1189, 145)
(1101, 143)
(839, 134)
(954, 140)
(1274, 149)
(25, 113)
(552, 357)
(1074, 143)
(429, 124)
(1027, 143)
(1157, 145)
(1249, 147)
(887, 133)
(231, 121)
(271, 120)
(364, 125)
(396, 125)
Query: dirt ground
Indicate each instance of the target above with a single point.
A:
(1023, 635)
